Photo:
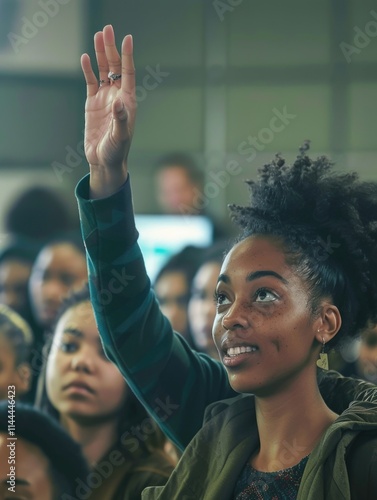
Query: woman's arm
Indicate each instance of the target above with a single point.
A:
(175, 383)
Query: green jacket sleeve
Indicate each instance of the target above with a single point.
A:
(174, 383)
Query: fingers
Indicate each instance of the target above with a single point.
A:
(128, 68)
(112, 54)
(103, 65)
(120, 117)
(90, 77)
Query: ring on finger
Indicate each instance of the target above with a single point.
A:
(114, 76)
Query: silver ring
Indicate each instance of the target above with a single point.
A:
(114, 76)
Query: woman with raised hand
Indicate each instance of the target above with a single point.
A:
(300, 278)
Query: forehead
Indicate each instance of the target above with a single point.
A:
(32, 466)
(12, 267)
(173, 173)
(256, 253)
(207, 274)
(171, 280)
(79, 316)
(60, 254)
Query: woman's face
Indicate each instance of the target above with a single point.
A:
(80, 381)
(172, 294)
(264, 329)
(58, 269)
(202, 307)
(14, 278)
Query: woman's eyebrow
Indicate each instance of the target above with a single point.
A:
(73, 331)
(261, 274)
(224, 278)
(254, 276)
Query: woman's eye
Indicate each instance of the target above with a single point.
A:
(264, 295)
(68, 347)
(220, 299)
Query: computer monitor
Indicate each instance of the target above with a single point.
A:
(162, 236)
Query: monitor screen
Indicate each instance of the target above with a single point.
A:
(162, 236)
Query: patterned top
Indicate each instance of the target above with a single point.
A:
(279, 485)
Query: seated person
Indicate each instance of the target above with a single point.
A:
(365, 365)
(87, 394)
(16, 261)
(59, 268)
(202, 307)
(181, 190)
(43, 462)
(16, 340)
(172, 287)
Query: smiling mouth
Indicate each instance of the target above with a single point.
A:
(235, 356)
(232, 352)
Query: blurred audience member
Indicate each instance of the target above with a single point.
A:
(39, 213)
(180, 190)
(172, 287)
(59, 268)
(202, 307)
(16, 261)
(178, 182)
(16, 340)
(365, 364)
(89, 396)
(42, 462)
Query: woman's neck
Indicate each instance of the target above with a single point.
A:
(290, 424)
(95, 438)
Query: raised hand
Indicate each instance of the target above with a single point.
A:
(109, 112)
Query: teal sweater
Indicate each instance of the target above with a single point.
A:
(175, 383)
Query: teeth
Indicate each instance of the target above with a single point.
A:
(235, 351)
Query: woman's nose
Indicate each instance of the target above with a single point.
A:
(237, 317)
(82, 360)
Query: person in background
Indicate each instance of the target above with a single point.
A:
(280, 305)
(172, 287)
(180, 190)
(87, 394)
(202, 307)
(365, 364)
(39, 214)
(16, 340)
(59, 268)
(42, 462)
(16, 261)
(178, 182)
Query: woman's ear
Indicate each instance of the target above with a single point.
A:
(328, 323)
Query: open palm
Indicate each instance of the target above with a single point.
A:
(110, 106)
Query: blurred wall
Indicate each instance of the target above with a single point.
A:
(234, 81)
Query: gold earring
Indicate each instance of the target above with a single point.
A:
(323, 361)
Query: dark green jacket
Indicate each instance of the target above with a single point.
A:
(213, 461)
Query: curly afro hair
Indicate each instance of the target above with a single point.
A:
(327, 222)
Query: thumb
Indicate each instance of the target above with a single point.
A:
(120, 118)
